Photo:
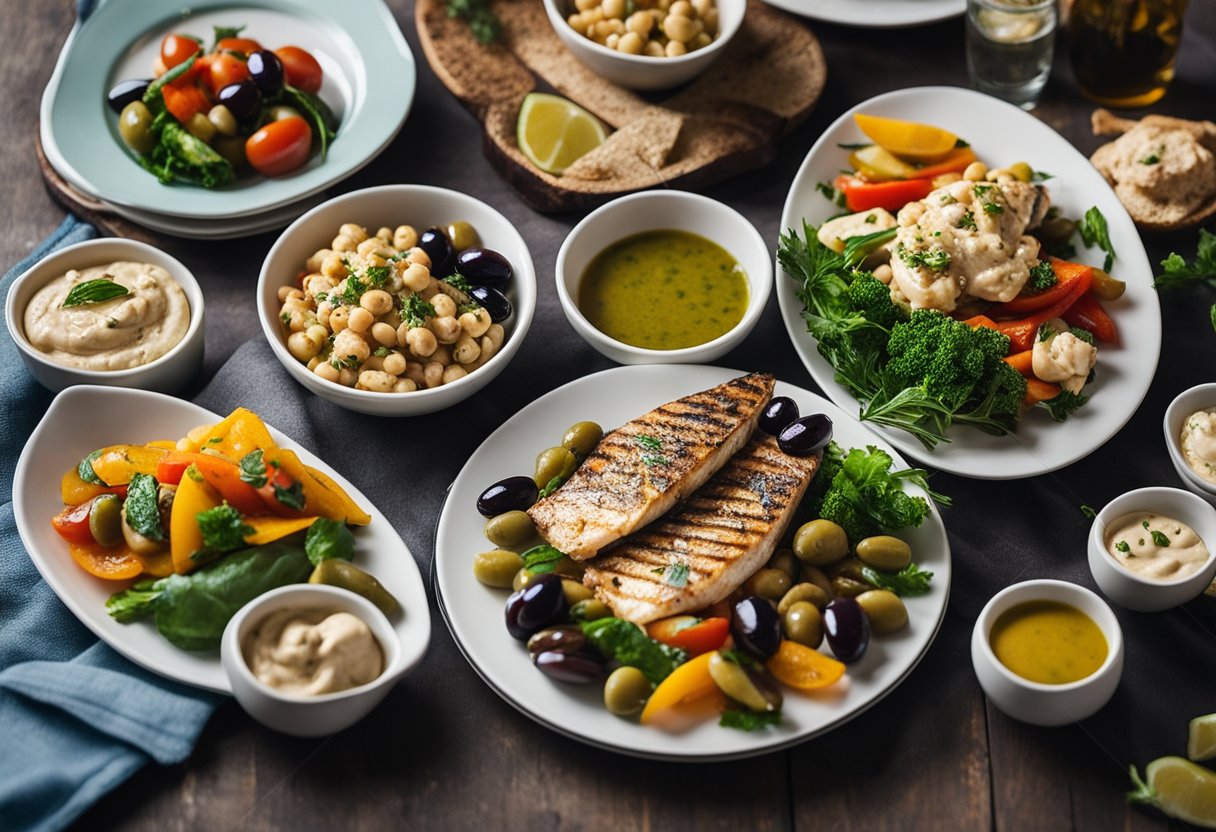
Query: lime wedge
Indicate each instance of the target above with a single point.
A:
(1179, 788)
(1201, 740)
(553, 132)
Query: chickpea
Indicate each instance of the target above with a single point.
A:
(360, 320)
(701, 40)
(372, 245)
(975, 172)
(313, 362)
(284, 292)
(476, 323)
(614, 8)
(654, 49)
(416, 277)
(405, 237)
(405, 385)
(222, 119)
(420, 257)
(675, 49)
(945, 179)
(313, 264)
(701, 7)
(593, 16)
(682, 8)
(301, 347)
(373, 363)
(385, 334)
(347, 377)
(640, 23)
(413, 372)
(376, 301)
(376, 381)
(496, 334)
(333, 267)
(386, 234)
(323, 310)
(447, 329)
(432, 374)
(488, 350)
(585, 5)
(612, 41)
(356, 232)
(348, 344)
(630, 43)
(466, 350)
(710, 19)
(617, 26)
(327, 371)
(445, 307)
(577, 24)
(343, 243)
(679, 29)
(453, 373)
(338, 319)
(442, 354)
(317, 334)
(884, 273)
(201, 127)
(420, 340)
(315, 284)
(394, 363)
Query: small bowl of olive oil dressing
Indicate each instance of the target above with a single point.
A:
(1047, 652)
(663, 277)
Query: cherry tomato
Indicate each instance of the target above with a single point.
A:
(225, 69)
(280, 147)
(242, 45)
(73, 523)
(278, 481)
(302, 70)
(688, 633)
(176, 48)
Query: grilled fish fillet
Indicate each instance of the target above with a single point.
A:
(721, 534)
(641, 469)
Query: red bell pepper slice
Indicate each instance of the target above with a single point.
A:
(1066, 273)
(865, 196)
(1088, 313)
(685, 632)
(1022, 332)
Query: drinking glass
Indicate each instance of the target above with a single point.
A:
(1009, 47)
(1122, 51)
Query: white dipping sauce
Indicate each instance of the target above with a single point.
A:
(1198, 443)
(1155, 547)
(312, 652)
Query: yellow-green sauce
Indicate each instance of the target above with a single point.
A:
(1048, 642)
(664, 290)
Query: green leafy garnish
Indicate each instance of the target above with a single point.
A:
(95, 291)
(1154, 157)
(1094, 232)
(858, 248)
(179, 154)
(1042, 277)
(458, 281)
(967, 221)
(85, 469)
(1089, 511)
(749, 720)
(377, 275)
(223, 32)
(1062, 406)
(328, 539)
(292, 496)
(1177, 272)
(349, 362)
(382, 352)
(1042, 175)
(674, 574)
(253, 468)
(961, 144)
(936, 259)
(482, 21)
(623, 641)
(1141, 792)
(1084, 334)
(1159, 538)
(1123, 547)
(223, 529)
(551, 486)
(541, 559)
(651, 460)
(648, 442)
(831, 194)
(1046, 332)
(911, 580)
(143, 508)
(415, 311)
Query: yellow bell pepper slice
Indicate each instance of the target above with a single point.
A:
(907, 139)
(185, 537)
(877, 164)
(268, 528)
(239, 433)
(355, 515)
(119, 463)
(74, 491)
(798, 666)
(687, 682)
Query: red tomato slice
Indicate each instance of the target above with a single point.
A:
(223, 70)
(280, 147)
(689, 633)
(301, 68)
(176, 48)
(73, 523)
(242, 45)
(182, 102)
(269, 495)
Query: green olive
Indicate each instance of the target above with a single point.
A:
(746, 686)
(335, 572)
(105, 520)
(885, 610)
(1056, 230)
(885, 552)
(1021, 171)
(626, 691)
(1107, 287)
(282, 111)
(509, 529)
(462, 235)
(523, 578)
(815, 575)
(804, 592)
(768, 583)
(803, 623)
(135, 127)
(849, 587)
(590, 610)
(785, 560)
(575, 592)
(569, 568)
(849, 567)
(497, 567)
(820, 542)
(581, 438)
(553, 462)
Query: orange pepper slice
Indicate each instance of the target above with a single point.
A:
(800, 667)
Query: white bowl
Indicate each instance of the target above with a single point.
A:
(170, 373)
(1035, 702)
(653, 211)
(1126, 588)
(392, 205)
(643, 72)
(1200, 397)
(312, 716)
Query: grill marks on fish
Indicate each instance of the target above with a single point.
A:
(639, 471)
(723, 533)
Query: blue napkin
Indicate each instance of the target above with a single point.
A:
(76, 718)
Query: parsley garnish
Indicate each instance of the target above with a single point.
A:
(911, 580)
(936, 260)
(1178, 272)
(1046, 332)
(1042, 175)
(551, 486)
(967, 221)
(1089, 512)
(993, 208)
(749, 720)
(648, 442)
(833, 196)
(382, 352)
(1144, 523)
(222, 32)
(94, 291)
(1159, 538)
(223, 529)
(1094, 232)
(328, 539)
(674, 574)
(377, 275)
(1123, 547)
(651, 460)
(351, 362)
(253, 468)
(353, 290)
(1154, 157)
(415, 311)
(458, 281)
(541, 559)
(871, 219)
(292, 496)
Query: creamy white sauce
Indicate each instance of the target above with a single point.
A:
(117, 334)
(1198, 442)
(1131, 541)
(312, 652)
(1063, 358)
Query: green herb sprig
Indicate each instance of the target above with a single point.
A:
(99, 290)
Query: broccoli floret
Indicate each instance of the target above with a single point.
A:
(841, 512)
(1042, 278)
(871, 298)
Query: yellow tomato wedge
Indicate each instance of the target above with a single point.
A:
(74, 491)
(185, 537)
(800, 667)
(119, 463)
(111, 563)
(687, 682)
(908, 139)
(268, 528)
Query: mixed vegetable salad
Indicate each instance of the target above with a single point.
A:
(210, 112)
(209, 521)
(947, 295)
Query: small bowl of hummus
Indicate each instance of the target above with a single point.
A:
(1153, 548)
(1190, 437)
(310, 659)
(112, 312)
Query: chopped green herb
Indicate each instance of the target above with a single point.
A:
(749, 720)
(935, 260)
(253, 468)
(831, 194)
(1042, 176)
(911, 580)
(858, 248)
(541, 559)
(648, 442)
(651, 460)
(328, 539)
(1046, 332)
(1123, 547)
(871, 219)
(674, 574)
(624, 641)
(1144, 523)
(382, 352)
(967, 221)
(143, 508)
(94, 291)
(415, 311)
(993, 208)
(551, 486)
(458, 281)
(1094, 232)
(292, 496)
(1064, 404)
(223, 529)
(350, 362)
(1159, 538)
(377, 275)
(1089, 512)
(482, 21)
(85, 469)
(1154, 157)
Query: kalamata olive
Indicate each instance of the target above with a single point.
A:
(806, 436)
(494, 301)
(847, 629)
(781, 411)
(511, 494)
(564, 638)
(266, 70)
(434, 241)
(484, 267)
(124, 92)
(578, 668)
(756, 626)
(242, 99)
(541, 603)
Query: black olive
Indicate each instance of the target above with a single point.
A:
(511, 494)
(242, 99)
(266, 70)
(581, 668)
(494, 301)
(435, 242)
(484, 267)
(806, 436)
(536, 606)
(564, 638)
(777, 416)
(756, 626)
(125, 92)
(847, 629)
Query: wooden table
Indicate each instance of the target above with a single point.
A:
(444, 752)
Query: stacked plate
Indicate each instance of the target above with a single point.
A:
(369, 86)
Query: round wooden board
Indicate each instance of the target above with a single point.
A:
(727, 121)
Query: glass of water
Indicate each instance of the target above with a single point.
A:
(1009, 46)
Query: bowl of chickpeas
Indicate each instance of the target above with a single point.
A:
(398, 300)
(646, 44)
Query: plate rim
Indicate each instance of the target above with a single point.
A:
(861, 21)
(709, 757)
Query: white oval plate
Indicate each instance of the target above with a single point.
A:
(474, 612)
(369, 83)
(84, 418)
(1001, 134)
(874, 14)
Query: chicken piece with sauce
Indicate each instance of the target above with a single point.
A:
(1063, 358)
(967, 239)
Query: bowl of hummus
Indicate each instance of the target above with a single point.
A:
(1190, 437)
(112, 312)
